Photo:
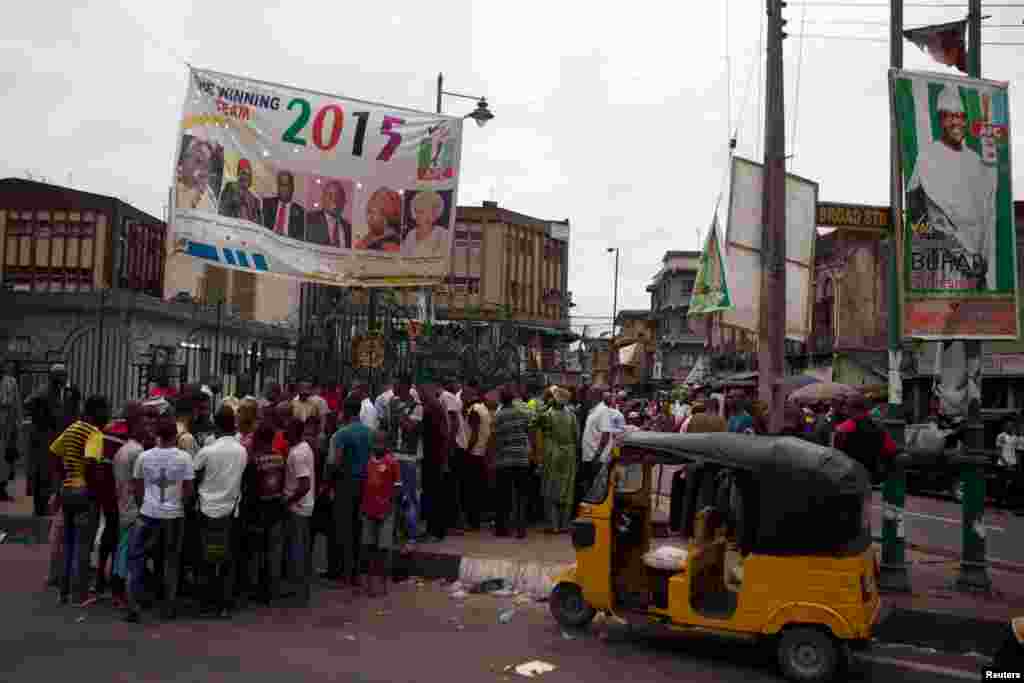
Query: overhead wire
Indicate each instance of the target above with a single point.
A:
(929, 5)
(861, 22)
(796, 94)
(873, 39)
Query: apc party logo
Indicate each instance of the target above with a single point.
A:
(436, 154)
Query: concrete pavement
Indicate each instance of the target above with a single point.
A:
(418, 633)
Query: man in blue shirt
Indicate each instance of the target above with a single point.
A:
(346, 468)
(742, 422)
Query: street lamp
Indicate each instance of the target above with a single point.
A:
(482, 114)
(613, 356)
(615, 293)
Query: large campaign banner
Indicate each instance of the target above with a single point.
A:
(743, 250)
(316, 187)
(959, 245)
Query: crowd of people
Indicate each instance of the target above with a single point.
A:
(225, 498)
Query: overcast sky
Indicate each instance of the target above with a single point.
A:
(616, 118)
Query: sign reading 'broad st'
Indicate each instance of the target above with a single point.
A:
(857, 216)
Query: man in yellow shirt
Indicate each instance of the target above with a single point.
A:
(76, 451)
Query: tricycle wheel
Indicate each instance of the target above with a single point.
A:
(568, 606)
(1009, 656)
(808, 654)
(956, 488)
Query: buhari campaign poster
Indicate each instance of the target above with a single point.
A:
(958, 240)
(311, 186)
(711, 289)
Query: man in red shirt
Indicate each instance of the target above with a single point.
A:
(863, 440)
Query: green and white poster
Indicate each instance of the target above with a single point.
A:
(958, 238)
(711, 290)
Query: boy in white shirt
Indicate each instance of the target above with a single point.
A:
(163, 481)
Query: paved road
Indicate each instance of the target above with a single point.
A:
(419, 633)
(935, 522)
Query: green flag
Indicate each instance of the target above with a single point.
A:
(711, 291)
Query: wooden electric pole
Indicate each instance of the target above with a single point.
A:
(772, 342)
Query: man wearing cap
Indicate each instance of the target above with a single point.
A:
(559, 425)
(237, 199)
(951, 195)
(52, 408)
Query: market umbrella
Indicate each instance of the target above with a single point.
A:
(794, 382)
(823, 391)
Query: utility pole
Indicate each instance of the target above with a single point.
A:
(894, 572)
(773, 236)
(973, 574)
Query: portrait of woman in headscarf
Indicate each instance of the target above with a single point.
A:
(384, 219)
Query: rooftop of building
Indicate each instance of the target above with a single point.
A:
(491, 212)
(35, 195)
(679, 254)
(632, 314)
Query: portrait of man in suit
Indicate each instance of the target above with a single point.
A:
(327, 225)
(282, 214)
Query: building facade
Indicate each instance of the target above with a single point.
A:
(507, 287)
(636, 347)
(680, 339)
(83, 284)
(851, 320)
(507, 265)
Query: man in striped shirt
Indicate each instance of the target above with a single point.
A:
(512, 462)
(76, 452)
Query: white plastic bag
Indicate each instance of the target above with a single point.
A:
(666, 558)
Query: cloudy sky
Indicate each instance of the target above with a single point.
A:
(616, 118)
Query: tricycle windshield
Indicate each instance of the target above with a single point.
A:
(599, 489)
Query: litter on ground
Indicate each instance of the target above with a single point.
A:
(534, 668)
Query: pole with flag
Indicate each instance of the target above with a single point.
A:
(945, 43)
(711, 289)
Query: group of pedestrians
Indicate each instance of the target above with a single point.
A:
(225, 499)
(223, 506)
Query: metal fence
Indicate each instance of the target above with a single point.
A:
(100, 360)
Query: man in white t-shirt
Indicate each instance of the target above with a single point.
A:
(459, 437)
(381, 405)
(479, 425)
(614, 429)
(367, 412)
(299, 485)
(595, 437)
(163, 480)
(219, 469)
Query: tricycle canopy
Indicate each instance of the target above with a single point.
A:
(798, 497)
